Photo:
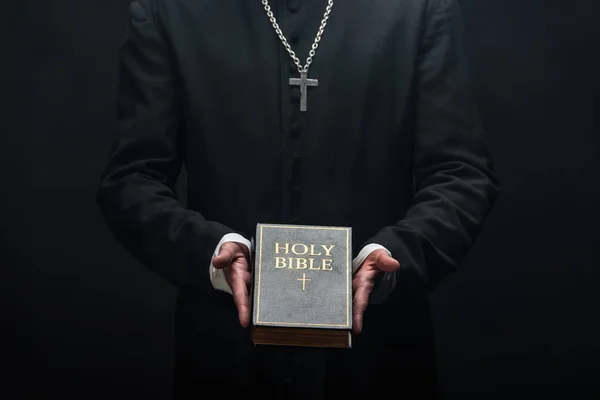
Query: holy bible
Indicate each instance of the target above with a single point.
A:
(302, 286)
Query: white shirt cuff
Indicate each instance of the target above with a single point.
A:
(217, 276)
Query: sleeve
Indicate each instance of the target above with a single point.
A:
(136, 193)
(455, 185)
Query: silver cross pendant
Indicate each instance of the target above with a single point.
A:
(303, 82)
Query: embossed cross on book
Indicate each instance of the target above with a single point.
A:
(304, 279)
(302, 291)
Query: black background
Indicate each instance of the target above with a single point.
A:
(520, 319)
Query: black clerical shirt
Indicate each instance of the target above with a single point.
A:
(390, 144)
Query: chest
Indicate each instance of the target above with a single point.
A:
(231, 48)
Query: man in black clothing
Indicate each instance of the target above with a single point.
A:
(356, 114)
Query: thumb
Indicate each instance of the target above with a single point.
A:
(224, 258)
(386, 263)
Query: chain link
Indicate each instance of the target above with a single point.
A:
(287, 46)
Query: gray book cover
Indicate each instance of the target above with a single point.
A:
(303, 276)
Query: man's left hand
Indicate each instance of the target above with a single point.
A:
(375, 264)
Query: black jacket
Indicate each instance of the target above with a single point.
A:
(390, 145)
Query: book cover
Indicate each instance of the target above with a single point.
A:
(303, 277)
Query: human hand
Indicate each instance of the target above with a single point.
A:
(234, 260)
(378, 262)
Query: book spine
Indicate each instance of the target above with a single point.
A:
(256, 248)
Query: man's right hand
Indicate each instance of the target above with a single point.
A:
(233, 259)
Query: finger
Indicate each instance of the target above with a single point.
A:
(386, 263)
(361, 299)
(239, 285)
(362, 286)
(224, 258)
(243, 249)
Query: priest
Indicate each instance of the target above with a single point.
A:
(358, 113)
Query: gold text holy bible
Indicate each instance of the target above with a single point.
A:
(302, 289)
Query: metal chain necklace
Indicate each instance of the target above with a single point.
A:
(303, 81)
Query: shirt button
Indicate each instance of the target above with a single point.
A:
(296, 193)
(293, 5)
(295, 129)
(296, 94)
(297, 163)
(293, 66)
